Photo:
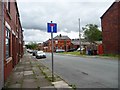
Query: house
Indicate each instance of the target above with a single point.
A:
(96, 45)
(60, 42)
(75, 43)
(110, 22)
(40, 46)
(11, 39)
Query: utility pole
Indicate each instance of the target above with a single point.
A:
(79, 36)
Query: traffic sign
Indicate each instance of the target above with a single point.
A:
(52, 27)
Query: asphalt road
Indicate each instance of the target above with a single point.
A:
(85, 72)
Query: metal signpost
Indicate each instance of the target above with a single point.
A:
(52, 28)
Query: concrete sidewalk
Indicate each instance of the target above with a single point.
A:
(28, 75)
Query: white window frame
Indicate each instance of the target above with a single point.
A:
(7, 42)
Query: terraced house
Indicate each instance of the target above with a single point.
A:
(11, 38)
(60, 42)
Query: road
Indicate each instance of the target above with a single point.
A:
(85, 72)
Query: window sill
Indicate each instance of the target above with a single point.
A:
(8, 13)
(8, 59)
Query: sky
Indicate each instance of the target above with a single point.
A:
(35, 14)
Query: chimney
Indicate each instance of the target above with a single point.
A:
(60, 35)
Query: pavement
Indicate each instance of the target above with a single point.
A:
(28, 73)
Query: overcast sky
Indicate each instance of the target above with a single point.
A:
(35, 14)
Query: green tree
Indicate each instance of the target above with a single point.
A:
(92, 33)
(32, 45)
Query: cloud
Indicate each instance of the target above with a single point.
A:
(59, 1)
(36, 14)
(41, 36)
(35, 35)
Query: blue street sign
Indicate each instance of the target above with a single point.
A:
(51, 27)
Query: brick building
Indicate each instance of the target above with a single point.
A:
(111, 29)
(60, 42)
(11, 38)
(75, 43)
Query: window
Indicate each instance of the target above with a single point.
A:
(8, 5)
(7, 42)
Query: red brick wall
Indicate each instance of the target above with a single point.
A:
(110, 30)
(1, 49)
(7, 69)
(7, 63)
(119, 29)
(12, 19)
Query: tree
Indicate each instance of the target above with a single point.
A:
(32, 45)
(92, 33)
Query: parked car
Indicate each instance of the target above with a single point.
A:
(40, 54)
(71, 50)
(81, 49)
(29, 50)
(34, 52)
(60, 50)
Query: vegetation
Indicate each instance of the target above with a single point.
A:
(31, 45)
(92, 33)
(103, 55)
(73, 86)
(72, 53)
(110, 55)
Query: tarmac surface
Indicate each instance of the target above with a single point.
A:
(85, 72)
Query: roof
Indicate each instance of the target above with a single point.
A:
(83, 42)
(77, 42)
(108, 9)
(61, 37)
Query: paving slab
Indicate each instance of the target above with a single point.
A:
(43, 82)
(16, 77)
(36, 71)
(15, 86)
(27, 75)
(27, 68)
(48, 88)
(28, 72)
(29, 83)
(61, 84)
(19, 69)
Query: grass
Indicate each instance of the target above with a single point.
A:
(103, 55)
(72, 53)
(73, 86)
(110, 55)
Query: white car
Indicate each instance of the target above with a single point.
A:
(81, 49)
(40, 54)
(60, 50)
